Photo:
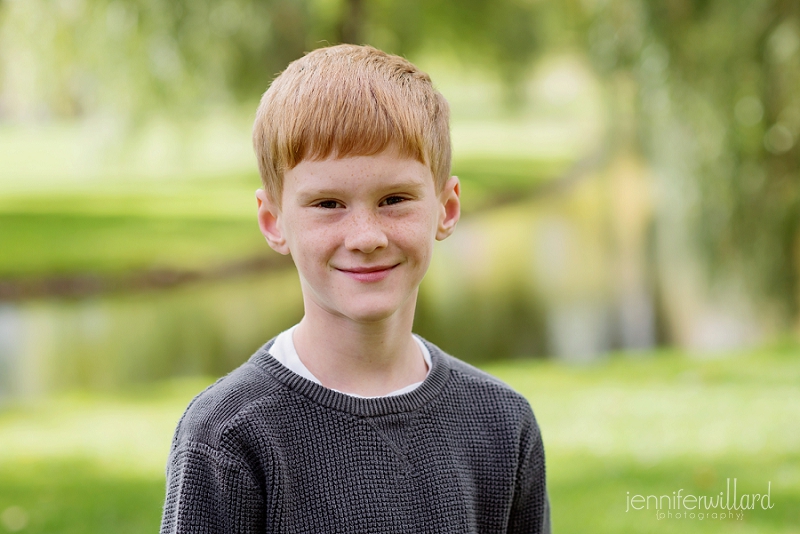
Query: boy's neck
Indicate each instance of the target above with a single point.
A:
(368, 359)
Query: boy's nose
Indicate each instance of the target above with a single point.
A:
(365, 234)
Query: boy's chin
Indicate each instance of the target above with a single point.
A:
(370, 315)
(371, 312)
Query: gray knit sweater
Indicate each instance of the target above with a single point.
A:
(265, 450)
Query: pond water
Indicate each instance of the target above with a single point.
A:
(107, 341)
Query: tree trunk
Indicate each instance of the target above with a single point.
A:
(351, 26)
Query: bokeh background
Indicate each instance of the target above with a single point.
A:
(628, 258)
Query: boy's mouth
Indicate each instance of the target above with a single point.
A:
(373, 273)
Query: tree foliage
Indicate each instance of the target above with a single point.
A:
(144, 56)
(727, 72)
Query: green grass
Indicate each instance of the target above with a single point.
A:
(89, 463)
(52, 244)
(647, 425)
(655, 424)
(179, 226)
(75, 497)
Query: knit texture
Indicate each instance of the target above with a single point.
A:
(265, 450)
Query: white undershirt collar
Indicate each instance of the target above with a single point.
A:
(284, 351)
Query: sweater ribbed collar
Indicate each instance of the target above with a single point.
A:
(437, 378)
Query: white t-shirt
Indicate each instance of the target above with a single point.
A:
(283, 350)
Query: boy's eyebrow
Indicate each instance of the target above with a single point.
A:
(412, 186)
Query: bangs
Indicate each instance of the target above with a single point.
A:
(355, 118)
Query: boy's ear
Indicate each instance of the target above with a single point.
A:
(269, 221)
(450, 198)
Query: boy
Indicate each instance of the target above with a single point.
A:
(347, 423)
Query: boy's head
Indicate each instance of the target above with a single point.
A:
(349, 100)
(354, 151)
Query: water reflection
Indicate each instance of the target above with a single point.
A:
(104, 342)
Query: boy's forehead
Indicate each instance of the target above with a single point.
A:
(386, 168)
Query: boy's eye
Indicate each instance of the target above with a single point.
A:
(393, 200)
(327, 204)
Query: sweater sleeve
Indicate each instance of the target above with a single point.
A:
(530, 510)
(208, 492)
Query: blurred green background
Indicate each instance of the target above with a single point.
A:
(629, 255)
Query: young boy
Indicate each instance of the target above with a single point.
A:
(348, 423)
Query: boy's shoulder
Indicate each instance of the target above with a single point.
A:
(470, 371)
(223, 403)
(480, 386)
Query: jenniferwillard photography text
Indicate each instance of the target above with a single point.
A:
(729, 504)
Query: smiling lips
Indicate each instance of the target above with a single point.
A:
(368, 274)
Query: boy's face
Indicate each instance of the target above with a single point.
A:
(360, 231)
